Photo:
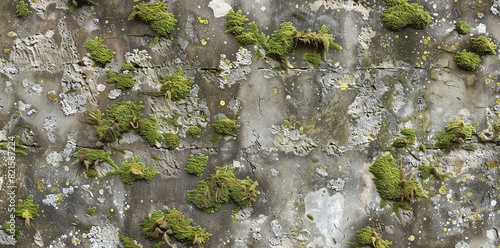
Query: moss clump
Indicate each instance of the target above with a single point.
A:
(98, 51)
(225, 126)
(196, 165)
(321, 39)
(427, 170)
(392, 185)
(148, 129)
(223, 187)
(235, 22)
(467, 60)
(407, 139)
(313, 58)
(127, 67)
(483, 45)
(22, 9)
(122, 80)
(282, 42)
(194, 131)
(401, 14)
(131, 171)
(157, 16)
(12, 230)
(90, 158)
(368, 237)
(175, 87)
(462, 27)
(173, 224)
(171, 140)
(91, 211)
(26, 209)
(18, 147)
(128, 242)
(454, 134)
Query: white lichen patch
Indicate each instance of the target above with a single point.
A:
(365, 37)
(289, 139)
(105, 236)
(220, 7)
(348, 5)
(232, 72)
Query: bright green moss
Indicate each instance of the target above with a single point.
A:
(462, 27)
(454, 133)
(401, 14)
(194, 131)
(157, 16)
(18, 147)
(313, 58)
(427, 170)
(12, 230)
(392, 185)
(225, 126)
(173, 223)
(252, 36)
(467, 60)
(22, 9)
(321, 39)
(91, 211)
(127, 242)
(407, 139)
(235, 22)
(26, 209)
(122, 80)
(148, 129)
(196, 164)
(98, 51)
(282, 42)
(131, 171)
(175, 86)
(368, 237)
(127, 67)
(90, 158)
(483, 45)
(223, 187)
(171, 140)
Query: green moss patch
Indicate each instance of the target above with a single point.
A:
(320, 39)
(225, 126)
(99, 52)
(401, 14)
(90, 158)
(26, 209)
(12, 230)
(427, 170)
(223, 187)
(157, 16)
(122, 80)
(194, 131)
(313, 58)
(392, 184)
(173, 224)
(196, 164)
(131, 171)
(22, 9)
(171, 140)
(467, 60)
(454, 134)
(462, 27)
(175, 86)
(18, 147)
(127, 67)
(127, 242)
(148, 129)
(367, 237)
(407, 138)
(483, 45)
(91, 211)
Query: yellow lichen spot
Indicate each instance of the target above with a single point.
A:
(222, 103)
(442, 190)
(411, 238)
(477, 124)
(40, 185)
(248, 123)
(445, 229)
(384, 45)
(469, 194)
(6, 50)
(301, 130)
(106, 22)
(52, 190)
(417, 64)
(202, 21)
(492, 164)
(290, 66)
(340, 167)
(203, 42)
(423, 86)
(275, 90)
(439, 47)
(453, 47)
(344, 86)
(52, 96)
(424, 58)
(465, 177)
(111, 210)
(498, 101)
(476, 216)
(396, 36)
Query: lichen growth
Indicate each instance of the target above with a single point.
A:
(90, 158)
(175, 87)
(26, 209)
(122, 80)
(18, 147)
(401, 14)
(22, 9)
(392, 183)
(196, 164)
(131, 171)
(194, 131)
(462, 27)
(99, 52)
(454, 134)
(368, 237)
(157, 16)
(467, 60)
(91, 211)
(174, 224)
(483, 45)
(407, 138)
(225, 126)
(12, 230)
(127, 242)
(313, 58)
(171, 140)
(223, 187)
